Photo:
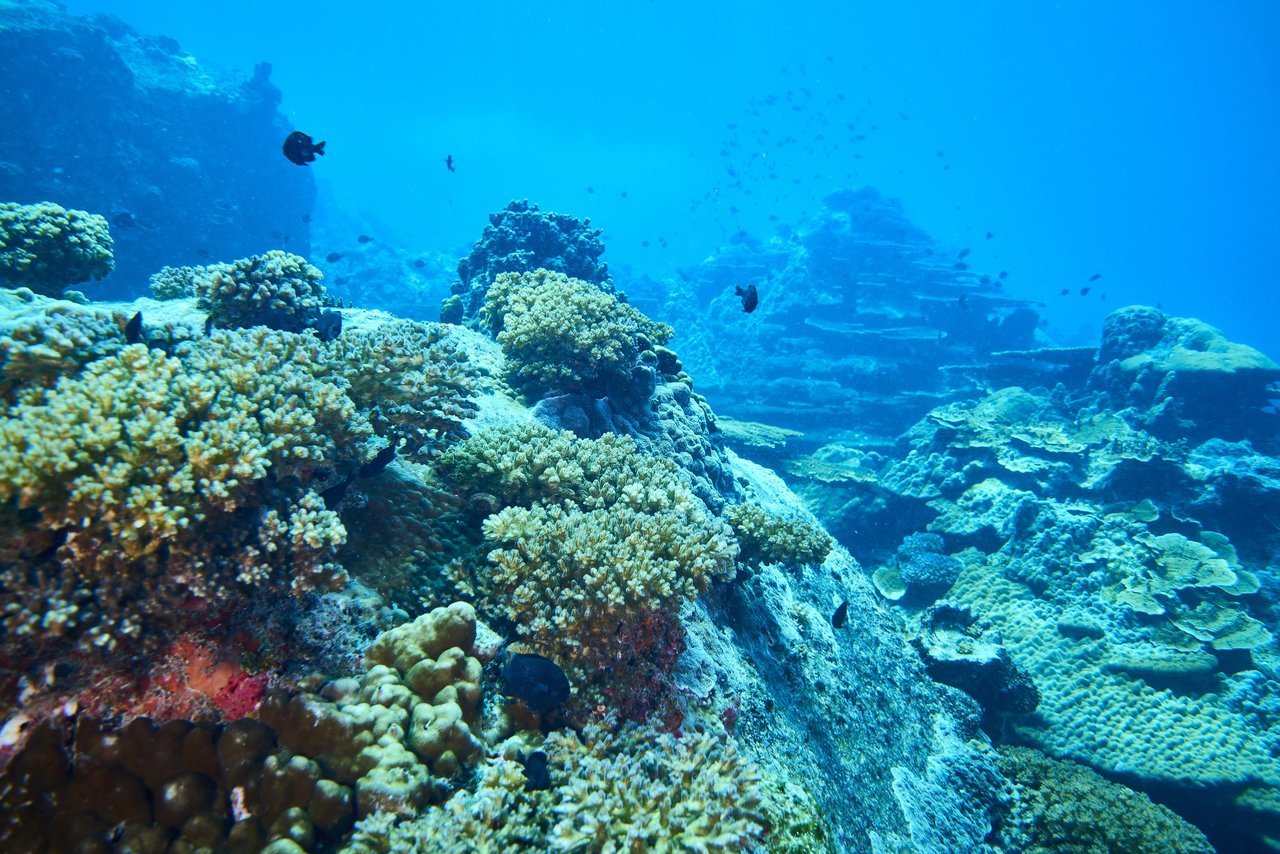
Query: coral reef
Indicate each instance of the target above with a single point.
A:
(520, 238)
(194, 151)
(174, 282)
(1061, 806)
(274, 289)
(47, 248)
(42, 340)
(564, 334)
(766, 538)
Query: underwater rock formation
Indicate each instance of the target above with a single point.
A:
(196, 172)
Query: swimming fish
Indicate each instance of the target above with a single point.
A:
(448, 162)
(750, 297)
(990, 235)
(208, 326)
(379, 462)
(1004, 274)
(1064, 292)
(300, 150)
(418, 264)
(962, 301)
(329, 325)
(536, 776)
(332, 496)
(840, 616)
(538, 681)
(133, 330)
(1095, 277)
(333, 257)
(963, 253)
(1084, 292)
(364, 238)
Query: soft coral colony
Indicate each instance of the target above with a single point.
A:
(176, 564)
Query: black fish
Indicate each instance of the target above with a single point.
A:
(332, 496)
(448, 161)
(306, 217)
(840, 616)
(750, 297)
(329, 325)
(1095, 277)
(963, 253)
(962, 301)
(536, 776)
(960, 265)
(364, 238)
(538, 681)
(1064, 292)
(379, 462)
(1004, 274)
(208, 326)
(990, 235)
(1084, 292)
(300, 150)
(274, 318)
(133, 330)
(333, 257)
(418, 264)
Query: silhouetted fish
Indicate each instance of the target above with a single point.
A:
(332, 496)
(329, 325)
(300, 150)
(448, 162)
(379, 462)
(333, 257)
(418, 264)
(364, 238)
(990, 235)
(133, 330)
(962, 301)
(1084, 292)
(536, 776)
(963, 253)
(750, 297)
(208, 325)
(1064, 292)
(538, 681)
(1095, 277)
(1004, 274)
(840, 616)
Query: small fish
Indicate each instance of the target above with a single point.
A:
(1084, 292)
(306, 217)
(332, 496)
(840, 616)
(591, 189)
(536, 776)
(1095, 277)
(329, 325)
(364, 238)
(448, 162)
(1004, 274)
(1064, 292)
(963, 253)
(333, 257)
(208, 326)
(133, 330)
(962, 301)
(124, 219)
(750, 297)
(300, 150)
(418, 264)
(960, 265)
(538, 681)
(990, 235)
(379, 462)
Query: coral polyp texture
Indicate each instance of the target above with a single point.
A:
(275, 288)
(149, 487)
(769, 538)
(521, 238)
(564, 334)
(48, 248)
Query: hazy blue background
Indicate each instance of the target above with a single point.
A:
(1141, 141)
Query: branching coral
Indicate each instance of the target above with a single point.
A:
(565, 334)
(412, 380)
(174, 282)
(42, 340)
(275, 286)
(634, 790)
(46, 247)
(768, 538)
(149, 487)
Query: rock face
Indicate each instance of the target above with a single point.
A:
(183, 161)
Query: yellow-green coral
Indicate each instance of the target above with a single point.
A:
(42, 340)
(47, 248)
(634, 790)
(275, 285)
(1063, 807)
(174, 282)
(183, 476)
(560, 333)
(767, 538)
(412, 380)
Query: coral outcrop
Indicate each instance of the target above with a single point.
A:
(48, 248)
(274, 289)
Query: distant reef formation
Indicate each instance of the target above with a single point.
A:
(182, 161)
(861, 317)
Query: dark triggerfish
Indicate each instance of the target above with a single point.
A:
(300, 150)
(750, 298)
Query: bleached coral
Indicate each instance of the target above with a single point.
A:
(563, 334)
(47, 248)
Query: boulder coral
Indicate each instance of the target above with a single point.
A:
(564, 334)
(276, 285)
(47, 248)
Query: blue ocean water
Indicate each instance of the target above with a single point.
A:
(1139, 140)
(945, 515)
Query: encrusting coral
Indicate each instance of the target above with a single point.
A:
(47, 248)
(275, 286)
(145, 488)
(631, 790)
(563, 334)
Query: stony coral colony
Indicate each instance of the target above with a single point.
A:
(179, 500)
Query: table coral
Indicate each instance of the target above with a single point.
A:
(47, 248)
(564, 334)
(184, 476)
(274, 286)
